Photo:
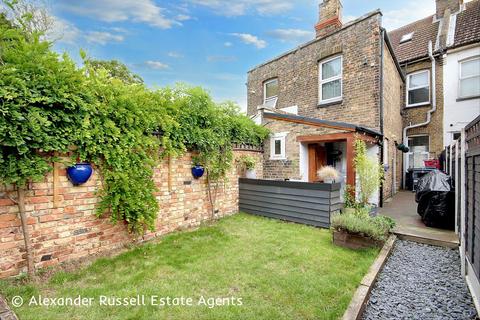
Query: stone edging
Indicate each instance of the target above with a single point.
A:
(5, 312)
(360, 298)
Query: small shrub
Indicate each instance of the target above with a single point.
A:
(247, 162)
(370, 172)
(378, 228)
(328, 173)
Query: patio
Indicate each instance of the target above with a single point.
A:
(403, 209)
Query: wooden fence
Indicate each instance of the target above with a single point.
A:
(301, 202)
(463, 164)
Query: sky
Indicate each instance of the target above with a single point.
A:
(208, 43)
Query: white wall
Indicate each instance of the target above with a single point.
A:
(456, 114)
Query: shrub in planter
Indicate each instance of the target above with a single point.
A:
(328, 174)
(359, 230)
(369, 170)
(248, 163)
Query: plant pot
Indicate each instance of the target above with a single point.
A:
(198, 171)
(250, 174)
(79, 173)
(354, 241)
(328, 181)
(348, 210)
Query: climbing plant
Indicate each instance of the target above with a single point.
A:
(50, 106)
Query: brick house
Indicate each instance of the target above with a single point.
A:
(431, 52)
(318, 98)
(357, 80)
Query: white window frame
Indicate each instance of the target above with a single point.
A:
(424, 152)
(322, 82)
(429, 88)
(460, 76)
(282, 137)
(272, 98)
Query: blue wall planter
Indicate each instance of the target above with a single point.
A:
(79, 173)
(198, 171)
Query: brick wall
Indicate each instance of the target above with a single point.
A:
(393, 88)
(70, 230)
(419, 114)
(298, 74)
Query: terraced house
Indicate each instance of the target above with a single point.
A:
(356, 80)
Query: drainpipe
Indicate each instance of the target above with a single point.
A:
(429, 113)
(381, 108)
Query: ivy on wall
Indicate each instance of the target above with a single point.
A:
(49, 105)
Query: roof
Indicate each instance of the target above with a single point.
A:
(345, 26)
(467, 29)
(424, 31)
(322, 123)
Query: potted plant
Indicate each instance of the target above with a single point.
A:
(248, 164)
(328, 174)
(359, 230)
(350, 205)
(79, 173)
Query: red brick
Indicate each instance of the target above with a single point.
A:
(7, 217)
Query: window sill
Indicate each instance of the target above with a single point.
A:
(425, 104)
(328, 104)
(468, 98)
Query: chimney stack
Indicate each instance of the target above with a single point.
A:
(330, 18)
(444, 5)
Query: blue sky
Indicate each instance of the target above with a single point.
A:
(210, 43)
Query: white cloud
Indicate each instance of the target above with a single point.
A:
(292, 35)
(242, 7)
(156, 65)
(103, 37)
(183, 17)
(176, 55)
(142, 11)
(411, 11)
(64, 31)
(250, 39)
(228, 44)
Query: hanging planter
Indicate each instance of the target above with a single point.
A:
(403, 148)
(198, 171)
(79, 173)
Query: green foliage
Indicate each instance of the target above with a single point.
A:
(102, 114)
(377, 228)
(349, 196)
(369, 171)
(247, 162)
(116, 69)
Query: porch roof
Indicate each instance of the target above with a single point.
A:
(322, 123)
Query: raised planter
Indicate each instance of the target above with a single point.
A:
(354, 241)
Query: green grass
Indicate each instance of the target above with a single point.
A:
(279, 270)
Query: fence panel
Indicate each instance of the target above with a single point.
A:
(300, 202)
(472, 214)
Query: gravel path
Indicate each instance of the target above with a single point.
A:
(420, 282)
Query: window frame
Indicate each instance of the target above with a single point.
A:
(321, 82)
(460, 77)
(423, 152)
(429, 86)
(282, 137)
(272, 98)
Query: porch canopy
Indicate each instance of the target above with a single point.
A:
(340, 132)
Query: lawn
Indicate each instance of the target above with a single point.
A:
(277, 270)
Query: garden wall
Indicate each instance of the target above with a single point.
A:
(63, 225)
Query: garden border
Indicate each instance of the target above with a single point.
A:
(357, 305)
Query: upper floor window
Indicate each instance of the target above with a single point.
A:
(270, 93)
(469, 81)
(331, 80)
(418, 88)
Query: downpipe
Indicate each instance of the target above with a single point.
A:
(429, 113)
